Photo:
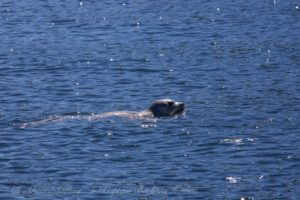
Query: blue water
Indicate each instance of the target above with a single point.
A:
(235, 65)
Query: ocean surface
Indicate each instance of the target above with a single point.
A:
(235, 65)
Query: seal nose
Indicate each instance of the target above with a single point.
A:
(181, 104)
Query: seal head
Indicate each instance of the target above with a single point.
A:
(166, 107)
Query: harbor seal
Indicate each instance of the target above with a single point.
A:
(159, 108)
(166, 107)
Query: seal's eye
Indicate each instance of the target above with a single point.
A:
(170, 103)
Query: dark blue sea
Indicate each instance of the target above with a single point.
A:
(235, 65)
